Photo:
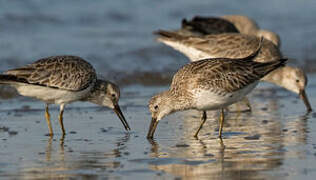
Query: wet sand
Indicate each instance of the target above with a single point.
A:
(275, 141)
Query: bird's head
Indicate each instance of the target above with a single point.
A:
(107, 94)
(271, 36)
(295, 80)
(160, 105)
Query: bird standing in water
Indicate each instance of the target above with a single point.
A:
(63, 80)
(209, 84)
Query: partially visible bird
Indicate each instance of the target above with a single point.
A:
(62, 80)
(202, 26)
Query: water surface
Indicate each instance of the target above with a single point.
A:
(275, 141)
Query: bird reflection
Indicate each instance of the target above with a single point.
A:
(253, 143)
(49, 148)
(58, 163)
(295, 133)
(154, 148)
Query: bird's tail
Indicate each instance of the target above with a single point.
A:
(10, 79)
(267, 67)
(169, 36)
(255, 53)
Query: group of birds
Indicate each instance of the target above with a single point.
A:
(229, 54)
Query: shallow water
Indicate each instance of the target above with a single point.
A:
(104, 31)
(275, 141)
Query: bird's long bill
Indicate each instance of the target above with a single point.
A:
(303, 96)
(152, 128)
(119, 113)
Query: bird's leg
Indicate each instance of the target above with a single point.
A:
(203, 119)
(221, 123)
(47, 116)
(61, 112)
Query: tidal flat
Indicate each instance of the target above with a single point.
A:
(276, 140)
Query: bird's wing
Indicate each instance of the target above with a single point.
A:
(232, 45)
(223, 74)
(63, 72)
(224, 45)
(228, 45)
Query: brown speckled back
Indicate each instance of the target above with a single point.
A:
(63, 72)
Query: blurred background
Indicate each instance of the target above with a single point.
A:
(276, 141)
(116, 36)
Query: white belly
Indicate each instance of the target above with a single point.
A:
(208, 100)
(51, 95)
(192, 53)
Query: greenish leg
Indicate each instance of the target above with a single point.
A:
(47, 116)
(61, 112)
(203, 118)
(221, 123)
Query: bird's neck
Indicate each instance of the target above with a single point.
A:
(92, 98)
(279, 77)
(274, 77)
(179, 102)
(94, 94)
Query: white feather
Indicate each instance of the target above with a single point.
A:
(192, 53)
(208, 100)
(52, 95)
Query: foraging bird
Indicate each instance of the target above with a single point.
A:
(63, 80)
(210, 84)
(234, 45)
(202, 26)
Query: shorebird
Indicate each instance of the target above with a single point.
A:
(63, 80)
(200, 25)
(209, 84)
(235, 45)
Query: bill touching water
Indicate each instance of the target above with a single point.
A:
(258, 145)
(275, 141)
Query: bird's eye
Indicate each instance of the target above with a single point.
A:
(156, 107)
(113, 95)
(297, 80)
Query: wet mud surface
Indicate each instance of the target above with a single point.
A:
(275, 141)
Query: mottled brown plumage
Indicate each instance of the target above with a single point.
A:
(234, 45)
(201, 26)
(227, 75)
(210, 84)
(229, 45)
(62, 72)
(63, 80)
